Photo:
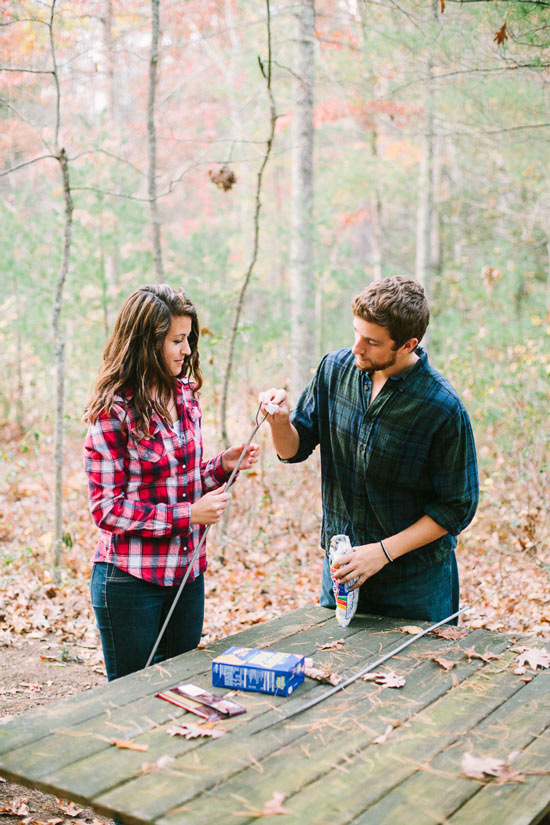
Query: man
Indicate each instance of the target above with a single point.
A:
(398, 461)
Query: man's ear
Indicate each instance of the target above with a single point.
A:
(410, 345)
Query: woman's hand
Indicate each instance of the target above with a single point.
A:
(231, 456)
(210, 508)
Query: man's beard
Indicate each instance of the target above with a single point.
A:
(372, 367)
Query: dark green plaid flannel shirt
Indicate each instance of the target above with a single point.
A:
(385, 465)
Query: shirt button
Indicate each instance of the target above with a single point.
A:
(184, 466)
(185, 495)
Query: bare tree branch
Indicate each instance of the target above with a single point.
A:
(255, 243)
(26, 163)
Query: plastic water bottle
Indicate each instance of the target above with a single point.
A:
(346, 599)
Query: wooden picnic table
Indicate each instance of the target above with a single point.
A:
(324, 763)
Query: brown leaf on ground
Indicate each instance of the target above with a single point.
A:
(386, 680)
(483, 767)
(68, 808)
(127, 744)
(534, 657)
(450, 632)
(275, 806)
(446, 664)
(16, 807)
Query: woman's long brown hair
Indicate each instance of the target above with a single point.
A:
(133, 357)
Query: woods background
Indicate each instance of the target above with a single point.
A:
(272, 159)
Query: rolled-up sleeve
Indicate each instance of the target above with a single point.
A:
(454, 473)
(111, 508)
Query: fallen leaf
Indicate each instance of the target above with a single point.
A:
(191, 731)
(387, 680)
(320, 675)
(16, 807)
(338, 644)
(275, 805)
(383, 736)
(446, 664)
(471, 653)
(481, 767)
(450, 632)
(534, 657)
(128, 745)
(68, 808)
(412, 629)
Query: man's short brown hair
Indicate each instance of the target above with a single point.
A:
(396, 303)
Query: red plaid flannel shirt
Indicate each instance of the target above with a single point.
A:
(141, 490)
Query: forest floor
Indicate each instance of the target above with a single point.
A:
(270, 557)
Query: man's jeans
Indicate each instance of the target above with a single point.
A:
(431, 595)
(130, 612)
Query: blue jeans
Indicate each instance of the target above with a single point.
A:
(130, 613)
(431, 595)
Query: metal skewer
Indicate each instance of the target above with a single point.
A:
(271, 409)
(360, 673)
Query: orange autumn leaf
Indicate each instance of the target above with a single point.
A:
(501, 35)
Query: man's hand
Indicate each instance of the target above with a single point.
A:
(232, 454)
(364, 562)
(210, 508)
(279, 398)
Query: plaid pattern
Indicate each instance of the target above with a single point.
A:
(385, 465)
(141, 490)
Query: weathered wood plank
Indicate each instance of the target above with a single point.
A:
(515, 803)
(356, 778)
(437, 789)
(106, 698)
(224, 761)
(36, 761)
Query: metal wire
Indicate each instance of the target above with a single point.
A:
(361, 673)
(259, 421)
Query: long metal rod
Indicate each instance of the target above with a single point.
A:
(362, 672)
(202, 540)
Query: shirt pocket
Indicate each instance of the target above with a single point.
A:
(398, 460)
(150, 450)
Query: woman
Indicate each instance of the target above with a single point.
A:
(151, 493)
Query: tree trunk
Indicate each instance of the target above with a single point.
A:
(376, 222)
(59, 346)
(302, 289)
(152, 136)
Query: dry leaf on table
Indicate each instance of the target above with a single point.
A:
(387, 680)
(484, 767)
(411, 629)
(451, 632)
(534, 657)
(446, 664)
(191, 731)
(471, 653)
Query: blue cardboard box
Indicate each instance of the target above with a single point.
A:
(262, 671)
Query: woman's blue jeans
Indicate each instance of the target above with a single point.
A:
(130, 613)
(431, 595)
